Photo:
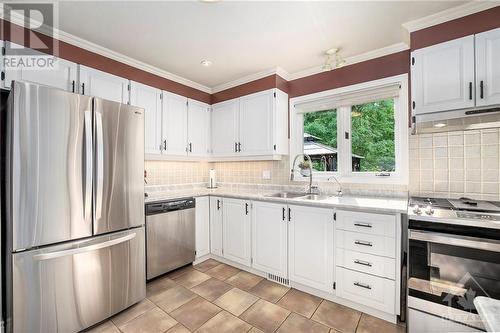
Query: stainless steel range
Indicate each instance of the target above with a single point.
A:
(453, 257)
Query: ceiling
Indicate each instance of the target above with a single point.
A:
(240, 38)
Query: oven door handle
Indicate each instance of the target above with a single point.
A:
(455, 240)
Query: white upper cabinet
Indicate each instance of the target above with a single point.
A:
(104, 85)
(63, 74)
(225, 128)
(216, 225)
(256, 123)
(174, 124)
(488, 68)
(269, 238)
(149, 98)
(198, 128)
(443, 76)
(252, 125)
(311, 247)
(236, 231)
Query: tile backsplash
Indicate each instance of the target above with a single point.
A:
(176, 173)
(241, 174)
(456, 164)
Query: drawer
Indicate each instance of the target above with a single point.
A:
(365, 243)
(366, 263)
(369, 223)
(369, 290)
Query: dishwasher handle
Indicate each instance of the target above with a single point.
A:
(169, 206)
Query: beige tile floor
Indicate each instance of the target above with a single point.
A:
(213, 297)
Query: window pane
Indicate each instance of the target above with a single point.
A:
(320, 139)
(372, 132)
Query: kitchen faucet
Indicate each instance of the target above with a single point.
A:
(310, 170)
(339, 192)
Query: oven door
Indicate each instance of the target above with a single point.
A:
(446, 271)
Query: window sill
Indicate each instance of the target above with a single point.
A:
(367, 179)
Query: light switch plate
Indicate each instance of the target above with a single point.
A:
(266, 174)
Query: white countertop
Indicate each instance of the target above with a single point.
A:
(376, 204)
(489, 311)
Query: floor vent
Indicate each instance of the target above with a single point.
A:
(278, 279)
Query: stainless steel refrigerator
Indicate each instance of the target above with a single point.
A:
(73, 209)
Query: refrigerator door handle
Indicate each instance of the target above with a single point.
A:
(99, 165)
(93, 247)
(88, 163)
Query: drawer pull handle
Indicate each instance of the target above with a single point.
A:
(362, 285)
(364, 225)
(362, 262)
(363, 243)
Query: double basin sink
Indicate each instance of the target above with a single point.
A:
(295, 195)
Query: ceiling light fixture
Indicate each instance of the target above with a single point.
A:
(206, 63)
(439, 125)
(332, 60)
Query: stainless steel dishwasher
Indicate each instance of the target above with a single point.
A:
(170, 235)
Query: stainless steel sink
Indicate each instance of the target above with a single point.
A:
(285, 195)
(314, 197)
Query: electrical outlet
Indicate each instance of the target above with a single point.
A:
(266, 174)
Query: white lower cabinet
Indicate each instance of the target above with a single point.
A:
(366, 289)
(202, 225)
(350, 255)
(216, 226)
(236, 231)
(366, 259)
(367, 263)
(270, 238)
(311, 246)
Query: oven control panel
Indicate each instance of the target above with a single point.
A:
(478, 216)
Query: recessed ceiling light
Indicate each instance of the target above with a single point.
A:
(439, 125)
(206, 63)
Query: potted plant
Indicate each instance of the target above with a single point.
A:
(305, 168)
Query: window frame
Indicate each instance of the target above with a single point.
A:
(344, 171)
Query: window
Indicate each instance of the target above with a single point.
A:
(320, 139)
(372, 131)
(357, 133)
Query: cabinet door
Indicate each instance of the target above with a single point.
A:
(225, 128)
(311, 247)
(174, 124)
(198, 128)
(149, 98)
(256, 123)
(269, 238)
(104, 85)
(442, 76)
(216, 226)
(202, 226)
(236, 231)
(61, 76)
(488, 68)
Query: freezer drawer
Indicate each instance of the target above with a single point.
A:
(68, 287)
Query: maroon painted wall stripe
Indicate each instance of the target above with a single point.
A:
(264, 83)
(461, 27)
(390, 65)
(378, 68)
(14, 33)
